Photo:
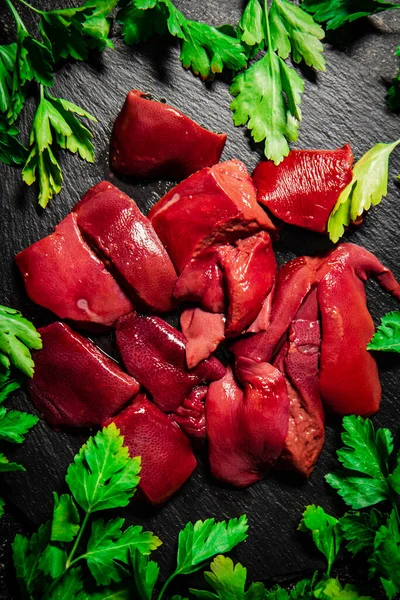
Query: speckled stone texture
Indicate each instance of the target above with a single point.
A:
(345, 104)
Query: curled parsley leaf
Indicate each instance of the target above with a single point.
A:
(268, 94)
(335, 13)
(367, 188)
(205, 50)
(387, 336)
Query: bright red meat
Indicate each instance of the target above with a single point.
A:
(294, 281)
(214, 206)
(203, 332)
(298, 360)
(249, 275)
(303, 189)
(247, 422)
(62, 274)
(201, 281)
(153, 140)
(191, 415)
(166, 455)
(75, 384)
(154, 353)
(349, 380)
(126, 240)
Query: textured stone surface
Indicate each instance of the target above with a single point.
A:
(346, 104)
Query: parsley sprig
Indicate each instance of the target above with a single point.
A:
(367, 188)
(335, 13)
(368, 478)
(51, 564)
(70, 32)
(205, 50)
(17, 338)
(268, 94)
(387, 336)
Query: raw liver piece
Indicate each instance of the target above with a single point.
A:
(249, 273)
(214, 206)
(294, 281)
(165, 451)
(349, 380)
(201, 281)
(298, 360)
(191, 415)
(62, 274)
(125, 238)
(153, 140)
(247, 422)
(154, 353)
(203, 332)
(75, 384)
(303, 189)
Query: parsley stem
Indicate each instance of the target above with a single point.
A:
(36, 10)
(16, 16)
(70, 560)
(166, 584)
(267, 29)
(77, 540)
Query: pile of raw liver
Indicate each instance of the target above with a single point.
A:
(298, 335)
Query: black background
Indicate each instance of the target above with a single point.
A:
(345, 104)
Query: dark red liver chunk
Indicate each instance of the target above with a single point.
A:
(75, 384)
(154, 353)
(126, 240)
(62, 274)
(166, 453)
(349, 379)
(215, 205)
(153, 140)
(303, 189)
(247, 422)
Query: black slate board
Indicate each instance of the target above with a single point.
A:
(344, 104)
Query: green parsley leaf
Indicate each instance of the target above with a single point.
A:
(108, 548)
(17, 337)
(332, 588)
(120, 592)
(53, 561)
(335, 13)
(9, 386)
(200, 542)
(385, 561)
(365, 458)
(2, 503)
(6, 466)
(26, 555)
(12, 151)
(294, 31)
(33, 62)
(69, 586)
(138, 25)
(73, 31)
(102, 474)
(65, 524)
(394, 478)
(387, 336)
(366, 189)
(57, 115)
(229, 581)
(15, 424)
(251, 24)
(270, 82)
(7, 64)
(205, 50)
(145, 574)
(359, 529)
(325, 531)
